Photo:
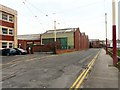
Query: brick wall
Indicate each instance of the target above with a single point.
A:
(6, 38)
(96, 44)
(77, 39)
(64, 51)
(22, 44)
(81, 41)
(7, 24)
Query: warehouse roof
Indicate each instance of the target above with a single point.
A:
(61, 30)
(29, 37)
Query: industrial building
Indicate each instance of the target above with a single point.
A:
(66, 39)
(8, 27)
(69, 38)
(96, 43)
(25, 41)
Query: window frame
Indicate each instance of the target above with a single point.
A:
(11, 46)
(11, 18)
(4, 46)
(10, 32)
(4, 16)
(4, 29)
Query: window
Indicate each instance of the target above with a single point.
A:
(11, 18)
(10, 31)
(10, 45)
(4, 16)
(4, 30)
(4, 44)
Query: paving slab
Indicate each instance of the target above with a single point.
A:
(104, 74)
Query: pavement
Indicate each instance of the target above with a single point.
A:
(104, 74)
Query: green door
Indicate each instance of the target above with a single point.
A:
(63, 42)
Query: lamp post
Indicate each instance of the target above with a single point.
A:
(54, 36)
(106, 33)
(114, 32)
(55, 30)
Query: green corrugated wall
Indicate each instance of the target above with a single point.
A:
(68, 35)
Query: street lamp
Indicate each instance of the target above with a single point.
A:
(106, 33)
(114, 32)
(54, 35)
(55, 30)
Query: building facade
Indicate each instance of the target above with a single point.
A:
(69, 38)
(29, 40)
(8, 27)
(64, 36)
(66, 39)
(96, 43)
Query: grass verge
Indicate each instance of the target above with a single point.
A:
(118, 52)
(118, 66)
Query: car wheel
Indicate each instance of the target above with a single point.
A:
(20, 53)
(8, 54)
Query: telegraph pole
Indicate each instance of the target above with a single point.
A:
(114, 32)
(54, 37)
(55, 30)
(106, 33)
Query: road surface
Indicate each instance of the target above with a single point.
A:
(45, 71)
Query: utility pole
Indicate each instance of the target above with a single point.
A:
(55, 30)
(55, 37)
(106, 33)
(114, 32)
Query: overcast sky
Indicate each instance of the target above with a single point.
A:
(37, 16)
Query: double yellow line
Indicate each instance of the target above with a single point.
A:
(82, 76)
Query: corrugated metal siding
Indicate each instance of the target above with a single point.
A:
(69, 35)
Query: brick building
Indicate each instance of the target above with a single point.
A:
(8, 27)
(66, 39)
(69, 38)
(29, 40)
(96, 43)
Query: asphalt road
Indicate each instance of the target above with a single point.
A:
(8, 59)
(45, 71)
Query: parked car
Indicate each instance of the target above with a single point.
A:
(8, 51)
(20, 51)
